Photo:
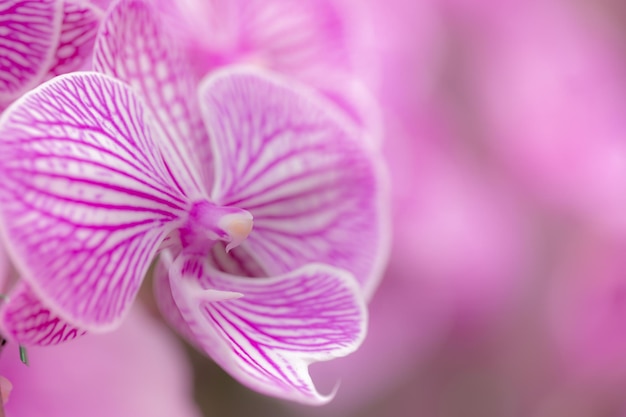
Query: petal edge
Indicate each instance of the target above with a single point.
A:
(267, 338)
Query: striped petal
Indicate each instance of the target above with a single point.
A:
(134, 47)
(314, 188)
(164, 298)
(303, 38)
(266, 331)
(29, 34)
(85, 197)
(25, 320)
(78, 35)
(306, 40)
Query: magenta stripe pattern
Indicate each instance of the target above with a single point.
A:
(77, 37)
(86, 196)
(268, 337)
(28, 322)
(134, 48)
(308, 179)
(29, 33)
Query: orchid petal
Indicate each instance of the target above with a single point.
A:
(78, 35)
(301, 38)
(134, 47)
(164, 298)
(85, 197)
(307, 40)
(29, 33)
(266, 331)
(235, 262)
(28, 322)
(314, 188)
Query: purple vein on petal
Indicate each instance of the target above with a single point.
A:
(25, 320)
(267, 338)
(77, 37)
(29, 33)
(314, 187)
(86, 198)
(133, 46)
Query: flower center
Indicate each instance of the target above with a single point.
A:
(208, 223)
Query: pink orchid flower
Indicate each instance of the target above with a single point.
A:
(41, 39)
(139, 370)
(102, 174)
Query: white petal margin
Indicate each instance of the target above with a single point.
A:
(317, 191)
(25, 320)
(266, 331)
(134, 46)
(29, 34)
(85, 196)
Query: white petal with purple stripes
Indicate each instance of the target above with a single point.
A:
(134, 47)
(316, 191)
(86, 197)
(25, 320)
(266, 331)
(29, 34)
(77, 37)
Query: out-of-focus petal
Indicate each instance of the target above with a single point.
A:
(266, 331)
(86, 197)
(317, 194)
(78, 35)
(306, 40)
(138, 370)
(134, 46)
(29, 34)
(303, 39)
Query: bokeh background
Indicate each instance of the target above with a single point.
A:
(505, 295)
